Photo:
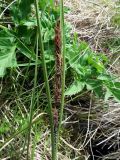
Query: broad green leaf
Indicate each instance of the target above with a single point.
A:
(5, 34)
(95, 62)
(77, 53)
(75, 88)
(114, 88)
(105, 77)
(95, 85)
(115, 92)
(117, 84)
(7, 59)
(21, 10)
(112, 84)
(107, 95)
(30, 23)
(7, 51)
(24, 33)
(6, 39)
(25, 50)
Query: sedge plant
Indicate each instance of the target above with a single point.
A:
(54, 136)
(62, 71)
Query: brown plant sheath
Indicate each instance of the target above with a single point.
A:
(57, 82)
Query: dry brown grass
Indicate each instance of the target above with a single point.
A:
(91, 20)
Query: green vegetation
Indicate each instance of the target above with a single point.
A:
(27, 62)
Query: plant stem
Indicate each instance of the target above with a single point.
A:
(54, 154)
(63, 69)
(32, 103)
(63, 60)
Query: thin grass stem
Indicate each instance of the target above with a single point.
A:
(46, 82)
(63, 61)
(32, 104)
